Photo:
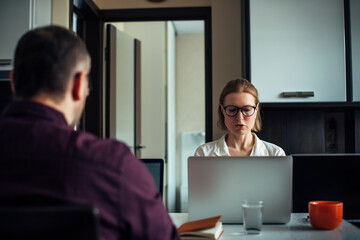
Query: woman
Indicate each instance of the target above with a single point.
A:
(239, 114)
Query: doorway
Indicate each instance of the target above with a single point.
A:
(172, 97)
(93, 23)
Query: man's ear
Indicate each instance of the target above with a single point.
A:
(78, 86)
(12, 84)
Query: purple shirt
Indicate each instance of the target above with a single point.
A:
(42, 158)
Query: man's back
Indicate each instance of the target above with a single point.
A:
(43, 160)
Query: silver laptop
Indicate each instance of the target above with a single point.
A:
(218, 186)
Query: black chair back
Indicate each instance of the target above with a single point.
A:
(49, 222)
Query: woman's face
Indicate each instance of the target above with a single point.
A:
(239, 124)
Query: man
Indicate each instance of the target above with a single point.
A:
(44, 160)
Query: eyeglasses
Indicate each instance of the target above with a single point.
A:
(247, 110)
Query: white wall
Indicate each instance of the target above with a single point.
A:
(190, 102)
(61, 13)
(190, 87)
(190, 84)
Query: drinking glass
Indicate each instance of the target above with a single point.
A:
(252, 216)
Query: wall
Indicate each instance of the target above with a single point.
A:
(190, 92)
(227, 49)
(61, 13)
(190, 82)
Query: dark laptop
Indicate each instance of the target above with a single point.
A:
(156, 168)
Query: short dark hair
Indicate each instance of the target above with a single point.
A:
(44, 59)
(238, 86)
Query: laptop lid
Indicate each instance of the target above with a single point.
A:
(219, 185)
(156, 168)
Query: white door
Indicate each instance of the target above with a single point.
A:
(123, 86)
(16, 18)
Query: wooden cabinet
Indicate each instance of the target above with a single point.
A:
(298, 47)
(309, 129)
(313, 47)
(16, 18)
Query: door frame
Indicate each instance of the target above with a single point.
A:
(171, 14)
(91, 32)
(93, 25)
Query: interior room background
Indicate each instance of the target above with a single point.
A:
(298, 124)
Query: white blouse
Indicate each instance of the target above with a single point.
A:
(220, 148)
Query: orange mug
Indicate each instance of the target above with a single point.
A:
(325, 214)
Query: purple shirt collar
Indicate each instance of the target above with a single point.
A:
(30, 109)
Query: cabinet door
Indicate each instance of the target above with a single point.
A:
(16, 18)
(355, 47)
(14, 21)
(41, 13)
(298, 46)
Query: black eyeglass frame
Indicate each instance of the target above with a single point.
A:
(237, 110)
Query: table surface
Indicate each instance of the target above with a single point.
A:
(299, 228)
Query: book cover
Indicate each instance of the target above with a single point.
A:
(208, 228)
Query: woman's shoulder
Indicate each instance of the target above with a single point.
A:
(210, 148)
(268, 149)
(206, 148)
(273, 148)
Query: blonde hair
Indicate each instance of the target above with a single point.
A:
(239, 86)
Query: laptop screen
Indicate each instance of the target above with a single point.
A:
(156, 168)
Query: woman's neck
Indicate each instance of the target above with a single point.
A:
(240, 145)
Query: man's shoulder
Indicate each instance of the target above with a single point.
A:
(106, 152)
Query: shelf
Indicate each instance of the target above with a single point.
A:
(307, 106)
